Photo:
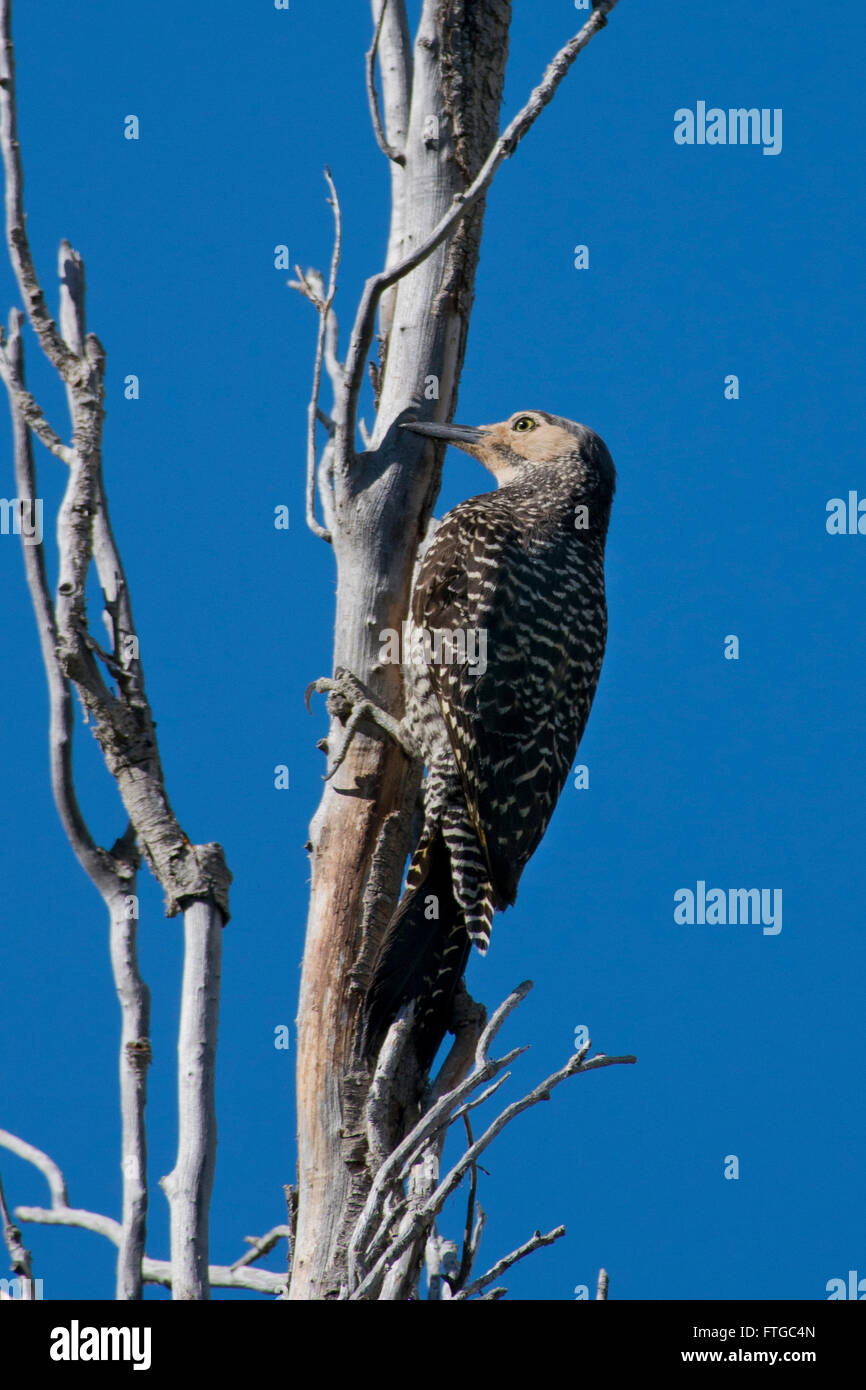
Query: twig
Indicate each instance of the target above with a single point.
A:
(65, 361)
(22, 1263)
(27, 406)
(365, 319)
(47, 1167)
(421, 1218)
(469, 1243)
(373, 96)
(400, 1161)
(401, 1274)
(261, 1245)
(534, 1243)
(421, 1170)
(322, 300)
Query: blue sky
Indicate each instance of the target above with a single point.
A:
(704, 261)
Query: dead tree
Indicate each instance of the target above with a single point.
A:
(438, 125)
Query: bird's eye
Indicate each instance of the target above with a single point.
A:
(525, 423)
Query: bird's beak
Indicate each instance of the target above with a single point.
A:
(454, 434)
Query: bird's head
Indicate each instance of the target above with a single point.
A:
(512, 447)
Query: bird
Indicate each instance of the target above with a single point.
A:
(502, 653)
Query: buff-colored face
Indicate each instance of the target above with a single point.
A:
(528, 436)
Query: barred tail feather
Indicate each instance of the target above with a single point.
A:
(422, 958)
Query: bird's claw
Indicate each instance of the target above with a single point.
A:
(351, 703)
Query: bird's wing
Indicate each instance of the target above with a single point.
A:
(515, 725)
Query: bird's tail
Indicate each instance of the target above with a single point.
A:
(422, 957)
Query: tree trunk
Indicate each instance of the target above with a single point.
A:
(377, 514)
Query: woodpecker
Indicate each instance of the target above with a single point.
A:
(502, 654)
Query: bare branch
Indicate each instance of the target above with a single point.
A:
(93, 860)
(373, 96)
(73, 1216)
(154, 1271)
(188, 1186)
(66, 362)
(534, 1243)
(493, 1026)
(27, 406)
(47, 1167)
(473, 1104)
(365, 320)
(124, 662)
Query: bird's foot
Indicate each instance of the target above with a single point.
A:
(350, 701)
